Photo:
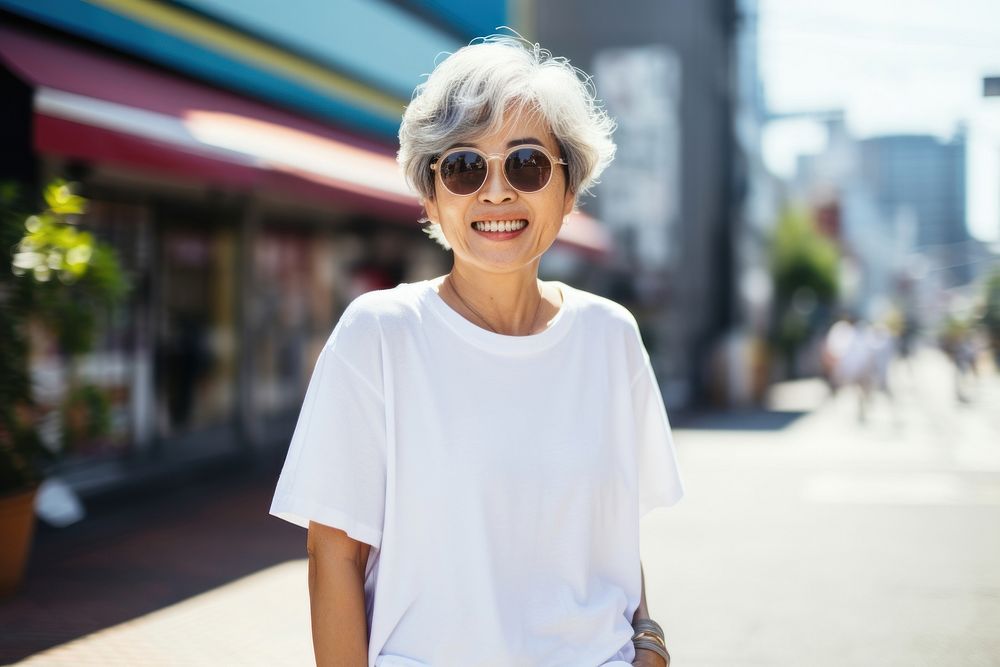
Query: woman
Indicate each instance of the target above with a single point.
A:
(475, 451)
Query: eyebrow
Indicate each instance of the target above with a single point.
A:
(510, 144)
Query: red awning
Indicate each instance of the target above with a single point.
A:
(92, 106)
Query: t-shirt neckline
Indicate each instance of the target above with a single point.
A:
(502, 343)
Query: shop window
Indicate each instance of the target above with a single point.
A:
(196, 355)
(298, 296)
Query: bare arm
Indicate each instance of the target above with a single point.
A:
(642, 611)
(644, 656)
(337, 597)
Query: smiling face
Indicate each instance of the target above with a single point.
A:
(464, 219)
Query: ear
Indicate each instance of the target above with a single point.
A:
(569, 202)
(431, 207)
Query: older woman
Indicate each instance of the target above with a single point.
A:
(475, 451)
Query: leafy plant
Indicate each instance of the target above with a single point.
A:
(72, 275)
(62, 277)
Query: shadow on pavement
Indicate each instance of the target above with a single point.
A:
(739, 420)
(140, 551)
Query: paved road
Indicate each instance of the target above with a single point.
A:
(806, 538)
(832, 542)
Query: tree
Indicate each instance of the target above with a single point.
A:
(804, 267)
(991, 313)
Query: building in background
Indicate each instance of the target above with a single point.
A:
(240, 157)
(744, 361)
(896, 204)
(924, 178)
(666, 72)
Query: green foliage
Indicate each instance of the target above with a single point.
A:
(801, 257)
(86, 414)
(804, 269)
(71, 275)
(21, 449)
(991, 310)
(63, 277)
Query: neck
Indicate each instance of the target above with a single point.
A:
(507, 303)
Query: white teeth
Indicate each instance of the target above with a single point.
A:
(499, 225)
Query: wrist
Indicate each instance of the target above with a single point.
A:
(646, 658)
(650, 645)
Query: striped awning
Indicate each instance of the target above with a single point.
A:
(94, 106)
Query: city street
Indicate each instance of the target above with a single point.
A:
(806, 538)
(200, 201)
(828, 542)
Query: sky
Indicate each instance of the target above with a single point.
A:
(893, 66)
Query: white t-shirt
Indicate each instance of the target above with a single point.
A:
(499, 479)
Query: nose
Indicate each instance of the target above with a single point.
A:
(496, 189)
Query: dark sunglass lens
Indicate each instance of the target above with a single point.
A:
(463, 172)
(528, 169)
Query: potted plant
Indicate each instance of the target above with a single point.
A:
(60, 277)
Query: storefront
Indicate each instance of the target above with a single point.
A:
(245, 229)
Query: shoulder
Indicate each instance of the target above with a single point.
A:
(600, 310)
(612, 328)
(379, 307)
(363, 326)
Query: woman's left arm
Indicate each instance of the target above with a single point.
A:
(645, 657)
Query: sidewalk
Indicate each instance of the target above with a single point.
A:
(199, 574)
(834, 541)
(805, 538)
(258, 620)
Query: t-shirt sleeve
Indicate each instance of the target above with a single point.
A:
(660, 483)
(335, 469)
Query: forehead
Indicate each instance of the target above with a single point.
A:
(518, 128)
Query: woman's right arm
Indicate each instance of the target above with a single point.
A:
(337, 597)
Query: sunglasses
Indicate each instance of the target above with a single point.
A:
(527, 168)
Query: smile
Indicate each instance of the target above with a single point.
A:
(499, 225)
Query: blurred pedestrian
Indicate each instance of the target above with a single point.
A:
(858, 357)
(884, 346)
(883, 351)
(837, 340)
(475, 450)
(964, 353)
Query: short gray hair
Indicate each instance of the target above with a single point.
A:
(468, 93)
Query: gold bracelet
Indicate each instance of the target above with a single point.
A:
(648, 624)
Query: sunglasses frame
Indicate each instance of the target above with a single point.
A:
(489, 157)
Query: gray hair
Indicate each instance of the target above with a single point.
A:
(469, 92)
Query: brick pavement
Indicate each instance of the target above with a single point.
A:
(137, 554)
(262, 619)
